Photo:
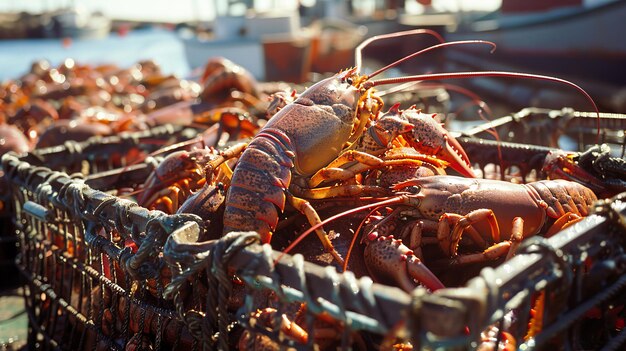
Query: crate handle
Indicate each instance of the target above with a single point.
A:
(36, 210)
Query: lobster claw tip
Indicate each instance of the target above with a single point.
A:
(418, 271)
(453, 153)
(395, 108)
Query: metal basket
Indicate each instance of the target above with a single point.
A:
(104, 273)
(89, 159)
(551, 128)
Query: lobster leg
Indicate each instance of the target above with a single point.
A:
(341, 174)
(334, 172)
(517, 236)
(491, 253)
(336, 191)
(389, 259)
(415, 235)
(564, 221)
(167, 197)
(306, 209)
(497, 250)
(366, 162)
(227, 154)
(449, 239)
(266, 318)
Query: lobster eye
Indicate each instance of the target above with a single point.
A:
(413, 189)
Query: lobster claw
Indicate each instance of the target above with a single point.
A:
(560, 164)
(390, 260)
(430, 137)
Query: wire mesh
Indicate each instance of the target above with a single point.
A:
(105, 273)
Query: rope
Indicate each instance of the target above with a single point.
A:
(612, 209)
(540, 245)
(212, 327)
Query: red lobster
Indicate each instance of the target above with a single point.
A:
(456, 204)
(452, 205)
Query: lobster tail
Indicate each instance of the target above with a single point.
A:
(562, 196)
(258, 186)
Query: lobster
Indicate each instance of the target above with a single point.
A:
(172, 182)
(450, 206)
(226, 84)
(408, 127)
(62, 130)
(221, 74)
(11, 139)
(184, 181)
(456, 204)
(309, 133)
(37, 114)
(170, 91)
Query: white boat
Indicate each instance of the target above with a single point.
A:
(241, 39)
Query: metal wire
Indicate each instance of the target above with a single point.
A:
(89, 230)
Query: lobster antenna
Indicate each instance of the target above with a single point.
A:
(434, 47)
(475, 98)
(365, 43)
(461, 75)
(391, 201)
(402, 87)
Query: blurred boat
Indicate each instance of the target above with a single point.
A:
(70, 22)
(273, 45)
(242, 39)
(574, 39)
(77, 23)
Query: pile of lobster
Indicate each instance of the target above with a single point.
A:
(400, 196)
(388, 191)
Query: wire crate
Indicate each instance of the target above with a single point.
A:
(530, 142)
(566, 129)
(89, 159)
(104, 273)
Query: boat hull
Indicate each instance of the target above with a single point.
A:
(585, 43)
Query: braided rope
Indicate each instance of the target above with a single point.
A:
(212, 326)
(612, 208)
(540, 245)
